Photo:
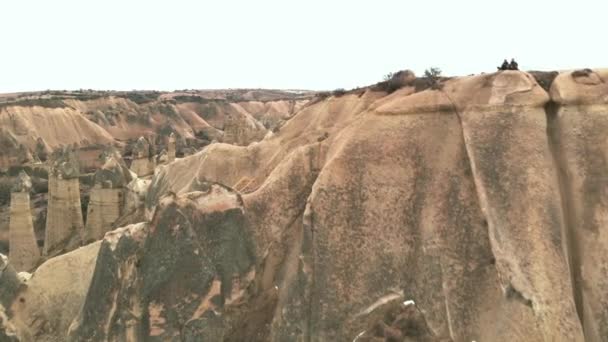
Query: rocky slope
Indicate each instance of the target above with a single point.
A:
(471, 212)
(37, 124)
(34, 125)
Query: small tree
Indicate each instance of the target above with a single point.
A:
(433, 75)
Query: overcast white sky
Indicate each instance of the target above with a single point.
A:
(312, 44)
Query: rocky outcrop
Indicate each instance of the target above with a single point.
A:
(176, 276)
(24, 251)
(143, 159)
(106, 201)
(64, 223)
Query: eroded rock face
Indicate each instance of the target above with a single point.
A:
(64, 222)
(174, 276)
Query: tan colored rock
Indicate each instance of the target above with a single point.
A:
(104, 209)
(106, 200)
(171, 148)
(64, 223)
(53, 296)
(240, 128)
(518, 188)
(24, 251)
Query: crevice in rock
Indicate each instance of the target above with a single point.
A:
(569, 244)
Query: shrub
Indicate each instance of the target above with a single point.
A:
(582, 73)
(339, 92)
(5, 191)
(395, 80)
(39, 185)
(47, 103)
(140, 97)
(323, 95)
(167, 110)
(190, 98)
(14, 170)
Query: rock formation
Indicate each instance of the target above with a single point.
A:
(472, 212)
(107, 196)
(175, 276)
(171, 148)
(143, 159)
(64, 223)
(241, 128)
(24, 251)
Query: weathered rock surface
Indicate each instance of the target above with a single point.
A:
(24, 251)
(173, 278)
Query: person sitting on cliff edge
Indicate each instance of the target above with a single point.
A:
(513, 65)
(504, 66)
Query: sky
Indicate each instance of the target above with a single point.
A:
(285, 44)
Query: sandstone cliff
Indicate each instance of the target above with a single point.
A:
(480, 202)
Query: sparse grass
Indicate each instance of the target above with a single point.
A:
(140, 97)
(190, 98)
(45, 102)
